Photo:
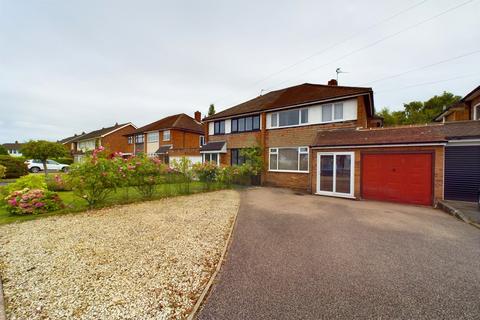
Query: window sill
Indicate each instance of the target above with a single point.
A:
(288, 171)
(333, 194)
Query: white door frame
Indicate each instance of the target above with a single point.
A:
(352, 174)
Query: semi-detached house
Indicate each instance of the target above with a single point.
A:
(284, 124)
(170, 138)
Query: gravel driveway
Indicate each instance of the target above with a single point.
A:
(311, 257)
(142, 261)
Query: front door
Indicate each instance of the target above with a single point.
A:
(335, 173)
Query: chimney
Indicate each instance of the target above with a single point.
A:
(16, 141)
(198, 116)
(332, 82)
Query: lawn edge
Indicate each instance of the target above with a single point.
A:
(209, 285)
(3, 314)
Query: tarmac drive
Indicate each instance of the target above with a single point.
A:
(310, 257)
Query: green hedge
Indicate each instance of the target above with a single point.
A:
(16, 166)
(64, 160)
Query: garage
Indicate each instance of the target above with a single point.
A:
(397, 177)
(462, 172)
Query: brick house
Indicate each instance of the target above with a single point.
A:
(170, 138)
(284, 124)
(111, 138)
(468, 108)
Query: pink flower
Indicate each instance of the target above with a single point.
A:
(39, 204)
(101, 148)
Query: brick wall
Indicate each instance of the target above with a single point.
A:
(438, 162)
(117, 142)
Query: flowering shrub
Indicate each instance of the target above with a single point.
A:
(143, 173)
(58, 182)
(32, 201)
(95, 178)
(227, 175)
(184, 173)
(3, 169)
(31, 181)
(206, 172)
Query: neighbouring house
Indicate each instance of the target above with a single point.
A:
(170, 138)
(462, 153)
(468, 108)
(70, 142)
(13, 149)
(284, 124)
(111, 138)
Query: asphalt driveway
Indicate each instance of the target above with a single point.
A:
(309, 257)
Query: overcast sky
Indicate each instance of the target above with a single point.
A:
(72, 66)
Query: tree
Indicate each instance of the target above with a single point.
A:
(3, 150)
(417, 112)
(43, 150)
(211, 110)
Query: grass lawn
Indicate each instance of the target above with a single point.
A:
(74, 203)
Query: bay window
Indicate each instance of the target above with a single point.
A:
(211, 157)
(289, 159)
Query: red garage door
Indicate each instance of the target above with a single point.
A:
(398, 177)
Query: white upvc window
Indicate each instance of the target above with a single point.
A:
(130, 140)
(288, 118)
(211, 157)
(335, 174)
(166, 135)
(152, 137)
(332, 112)
(202, 140)
(289, 159)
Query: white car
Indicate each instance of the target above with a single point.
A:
(35, 166)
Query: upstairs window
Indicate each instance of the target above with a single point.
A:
(332, 112)
(166, 135)
(477, 112)
(139, 138)
(245, 124)
(152, 137)
(219, 127)
(130, 140)
(202, 140)
(288, 118)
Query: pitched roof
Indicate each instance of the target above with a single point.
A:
(468, 129)
(430, 133)
(213, 146)
(179, 121)
(101, 132)
(13, 146)
(475, 93)
(397, 135)
(71, 139)
(163, 150)
(291, 96)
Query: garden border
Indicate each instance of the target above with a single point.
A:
(207, 289)
(3, 314)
